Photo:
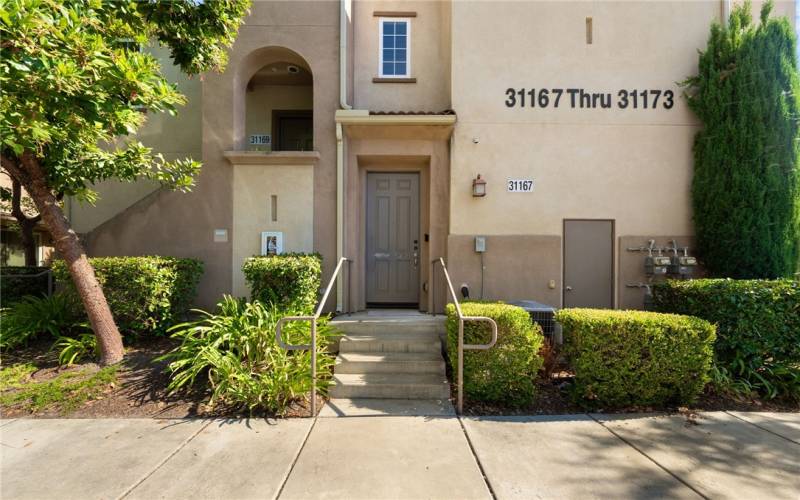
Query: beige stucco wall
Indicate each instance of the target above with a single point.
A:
(263, 99)
(430, 57)
(630, 165)
(174, 136)
(254, 185)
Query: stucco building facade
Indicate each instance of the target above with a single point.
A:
(360, 129)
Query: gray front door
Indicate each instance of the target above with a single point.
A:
(589, 263)
(392, 238)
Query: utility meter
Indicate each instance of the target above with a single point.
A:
(656, 265)
(683, 265)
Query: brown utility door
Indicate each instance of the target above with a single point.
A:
(392, 238)
(589, 263)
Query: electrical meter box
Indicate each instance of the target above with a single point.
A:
(656, 265)
(480, 244)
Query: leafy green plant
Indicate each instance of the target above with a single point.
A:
(505, 373)
(758, 333)
(636, 358)
(73, 349)
(746, 184)
(55, 315)
(146, 295)
(286, 280)
(66, 391)
(235, 354)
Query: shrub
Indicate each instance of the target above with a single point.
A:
(758, 335)
(286, 281)
(506, 372)
(55, 315)
(746, 180)
(236, 354)
(636, 358)
(14, 286)
(145, 294)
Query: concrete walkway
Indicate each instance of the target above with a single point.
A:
(717, 455)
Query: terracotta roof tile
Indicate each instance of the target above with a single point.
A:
(416, 113)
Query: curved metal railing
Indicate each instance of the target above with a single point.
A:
(313, 321)
(461, 320)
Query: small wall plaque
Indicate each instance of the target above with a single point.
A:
(520, 185)
(220, 235)
(260, 140)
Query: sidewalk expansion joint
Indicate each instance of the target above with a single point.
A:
(296, 457)
(161, 463)
(762, 428)
(477, 460)
(645, 455)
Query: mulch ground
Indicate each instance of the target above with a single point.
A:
(553, 398)
(140, 392)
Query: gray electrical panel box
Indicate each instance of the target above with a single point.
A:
(480, 244)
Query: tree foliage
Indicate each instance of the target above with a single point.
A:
(745, 191)
(72, 84)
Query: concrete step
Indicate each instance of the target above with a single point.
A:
(390, 386)
(390, 362)
(367, 325)
(422, 343)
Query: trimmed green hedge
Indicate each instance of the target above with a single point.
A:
(146, 295)
(758, 336)
(636, 358)
(505, 373)
(288, 281)
(14, 288)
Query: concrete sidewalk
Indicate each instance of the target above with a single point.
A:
(718, 455)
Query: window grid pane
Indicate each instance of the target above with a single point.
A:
(395, 44)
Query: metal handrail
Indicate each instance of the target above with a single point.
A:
(313, 321)
(461, 320)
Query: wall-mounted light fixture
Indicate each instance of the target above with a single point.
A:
(478, 187)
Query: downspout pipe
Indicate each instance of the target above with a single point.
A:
(344, 15)
(726, 11)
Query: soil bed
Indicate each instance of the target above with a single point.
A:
(553, 398)
(139, 390)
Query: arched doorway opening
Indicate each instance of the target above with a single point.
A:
(279, 103)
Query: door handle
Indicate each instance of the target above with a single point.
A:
(568, 288)
(416, 260)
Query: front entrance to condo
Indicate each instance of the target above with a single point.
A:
(589, 263)
(393, 239)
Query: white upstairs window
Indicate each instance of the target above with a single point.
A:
(395, 53)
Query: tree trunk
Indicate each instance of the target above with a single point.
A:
(30, 174)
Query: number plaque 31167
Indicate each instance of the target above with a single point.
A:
(520, 185)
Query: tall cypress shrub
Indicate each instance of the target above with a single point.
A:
(745, 190)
